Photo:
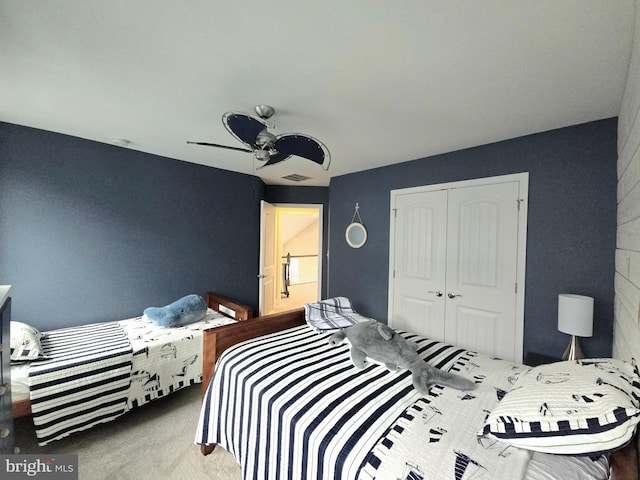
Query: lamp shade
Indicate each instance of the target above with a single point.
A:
(575, 314)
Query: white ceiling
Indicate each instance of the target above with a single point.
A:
(293, 221)
(379, 82)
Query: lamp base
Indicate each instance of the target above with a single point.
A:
(573, 351)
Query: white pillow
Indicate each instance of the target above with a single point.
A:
(25, 342)
(573, 407)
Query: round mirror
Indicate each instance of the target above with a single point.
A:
(356, 235)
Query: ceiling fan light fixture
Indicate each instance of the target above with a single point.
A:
(262, 155)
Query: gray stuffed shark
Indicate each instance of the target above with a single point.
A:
(378, 341)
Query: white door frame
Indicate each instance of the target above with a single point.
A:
(316, 206)
(266, 271)
(523, 181)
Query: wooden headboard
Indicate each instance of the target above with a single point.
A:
(228, 307)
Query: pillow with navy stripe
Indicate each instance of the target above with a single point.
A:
(573, 407)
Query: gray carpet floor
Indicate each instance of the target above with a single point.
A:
(151, 442)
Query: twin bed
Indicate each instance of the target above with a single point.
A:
(288, 405)
(95, 373)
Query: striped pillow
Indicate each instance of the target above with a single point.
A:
(573, 407)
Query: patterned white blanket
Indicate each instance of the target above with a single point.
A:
(165, 359)
(436, 436)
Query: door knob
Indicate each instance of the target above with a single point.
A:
(261, 276)
(437, 292)
(453, 295)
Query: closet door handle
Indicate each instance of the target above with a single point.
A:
(453, 295)
(437, 292)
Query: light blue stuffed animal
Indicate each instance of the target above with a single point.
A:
(189, 309)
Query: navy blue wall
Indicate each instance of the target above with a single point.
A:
(92, 232)
(571, 225)
(306, 195)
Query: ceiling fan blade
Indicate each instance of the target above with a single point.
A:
(275, 158)
(220, 146)
(243, 127)
(303, 146)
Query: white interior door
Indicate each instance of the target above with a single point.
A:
(420, 263)
(482, 252)
(268, 258)
(457, 263)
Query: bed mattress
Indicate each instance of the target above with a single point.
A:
(19, 381)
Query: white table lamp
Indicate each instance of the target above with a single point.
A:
(575, 317)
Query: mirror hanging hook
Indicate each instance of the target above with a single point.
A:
(356, 213)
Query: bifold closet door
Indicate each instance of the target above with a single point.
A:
(482, 253)
(454, 266)
(419, 263)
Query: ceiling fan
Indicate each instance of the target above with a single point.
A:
(265, 146)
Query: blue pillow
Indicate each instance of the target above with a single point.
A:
(189, 309)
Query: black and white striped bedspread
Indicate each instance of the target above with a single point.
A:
(289, 406)
(84, 383)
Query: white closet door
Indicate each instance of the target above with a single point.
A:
(482, 253)
(454, 257)
(419, 260)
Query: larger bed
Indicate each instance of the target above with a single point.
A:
(95, 373)
(288, 405)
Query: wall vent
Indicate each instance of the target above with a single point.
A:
(294, 177)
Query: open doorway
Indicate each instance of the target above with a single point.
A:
(297, 245)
